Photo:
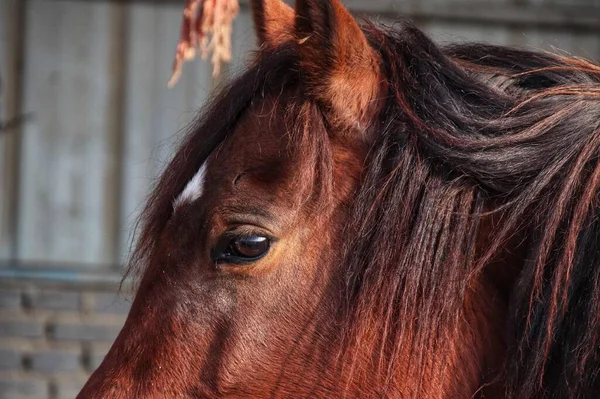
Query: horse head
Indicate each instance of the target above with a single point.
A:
(364, 214)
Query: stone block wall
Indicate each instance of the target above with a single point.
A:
(53, 336)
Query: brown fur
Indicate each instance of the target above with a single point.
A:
(341, 69)
(273, 21)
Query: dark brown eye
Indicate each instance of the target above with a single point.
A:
(250, 247)
(241, 249)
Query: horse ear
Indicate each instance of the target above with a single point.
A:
(273, 21)
(341, 68)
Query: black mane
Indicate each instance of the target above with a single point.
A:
(467, 131)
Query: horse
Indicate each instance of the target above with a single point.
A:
(365, 214)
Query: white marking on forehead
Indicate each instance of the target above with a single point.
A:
(194, 189)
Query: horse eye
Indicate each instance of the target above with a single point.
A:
(240, 250)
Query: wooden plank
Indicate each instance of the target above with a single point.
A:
(581, 44)
(447, 32)
(584, 16)
(65, 160)
(243, 41)
(11, 26)
(571, 3)
(156, 117)
(586, 45)
(139, 105)
(111, 228)
(575, 14)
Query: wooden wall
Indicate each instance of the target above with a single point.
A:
(93, 74)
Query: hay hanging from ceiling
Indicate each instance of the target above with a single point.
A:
(207, 27)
